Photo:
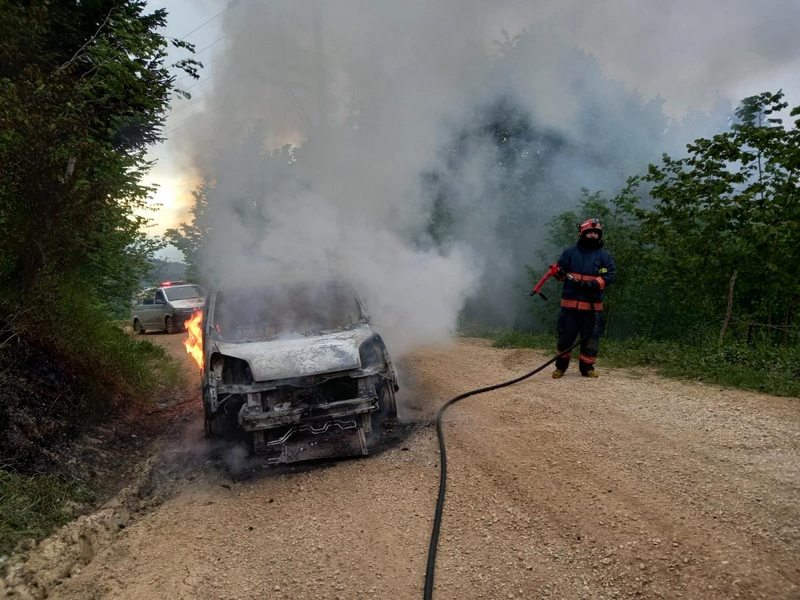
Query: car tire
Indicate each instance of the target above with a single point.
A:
(208, 427)
(384, 417)
(169, 325)
(391, 399)
(137, 327)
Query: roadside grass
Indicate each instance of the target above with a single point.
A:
(33, 506)
(65, 370)
(137, 368)
(761, 367)
(111, 363)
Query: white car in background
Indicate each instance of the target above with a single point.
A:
(166, 307)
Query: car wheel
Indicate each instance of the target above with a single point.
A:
(208, 427)
(137, 327)
(387, 410)
(169, 325)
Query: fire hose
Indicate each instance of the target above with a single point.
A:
(553, 270)
(437, 518)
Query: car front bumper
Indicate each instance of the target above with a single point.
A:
(253, 418)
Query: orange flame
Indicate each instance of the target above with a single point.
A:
(194, 340)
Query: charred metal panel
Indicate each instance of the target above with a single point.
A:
(345, 440)
(254, 418)
(291, 358)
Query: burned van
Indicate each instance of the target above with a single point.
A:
(299, 367)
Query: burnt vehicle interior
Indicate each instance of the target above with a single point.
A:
(271, 312)
(335, 391)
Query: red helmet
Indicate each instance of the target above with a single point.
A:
(591, 225)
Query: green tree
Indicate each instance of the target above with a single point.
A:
(84, 87)
(190, 238)
(726, 222)
(714, 251)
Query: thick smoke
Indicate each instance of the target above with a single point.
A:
(400, 179)
(347, 204)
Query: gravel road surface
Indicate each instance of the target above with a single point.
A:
(627, 486)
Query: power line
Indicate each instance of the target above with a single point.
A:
(214, 43)
(196, 83)
(230, 5)
(188, 105)
(188, 121)
(211, 62)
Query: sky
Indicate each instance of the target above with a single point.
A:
(690, 54)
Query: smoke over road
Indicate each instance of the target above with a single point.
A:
(394, 110)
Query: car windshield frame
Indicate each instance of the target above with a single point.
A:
(294, 324)
(168, 289)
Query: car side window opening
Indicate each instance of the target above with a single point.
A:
(147, 298)
(160, 297)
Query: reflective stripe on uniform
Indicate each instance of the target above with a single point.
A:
(589, 360)
(601, 283)
(581, 276)
(580, 305)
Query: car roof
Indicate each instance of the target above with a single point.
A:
(179, 285)
(293, 283)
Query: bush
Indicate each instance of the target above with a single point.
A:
(765, 368)
(111, 364)
(65, 368)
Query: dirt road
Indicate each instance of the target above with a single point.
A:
(629, 486)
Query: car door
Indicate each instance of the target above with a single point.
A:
(149, 309)
(161, 309)
(136, 308)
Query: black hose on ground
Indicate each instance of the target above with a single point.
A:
(437, 519)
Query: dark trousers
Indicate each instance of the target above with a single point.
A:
(588, 325)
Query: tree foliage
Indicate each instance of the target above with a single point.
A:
(716, 248)
(84, 89)
(523, 156)
(190, 238)
(732, 206)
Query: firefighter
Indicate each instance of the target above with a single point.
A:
(586, 269)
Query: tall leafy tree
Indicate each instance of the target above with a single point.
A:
(84, 86)
(727, 219)
(191, 238)
(707, 244)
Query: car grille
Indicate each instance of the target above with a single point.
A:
(333, 390)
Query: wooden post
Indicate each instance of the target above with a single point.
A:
(729, 310)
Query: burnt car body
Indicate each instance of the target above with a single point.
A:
(300, 369)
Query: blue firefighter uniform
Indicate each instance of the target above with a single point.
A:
(586, 269)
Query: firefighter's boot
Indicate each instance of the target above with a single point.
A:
(590, 373)
(558, 374)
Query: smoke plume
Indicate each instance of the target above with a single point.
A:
(369, 141)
